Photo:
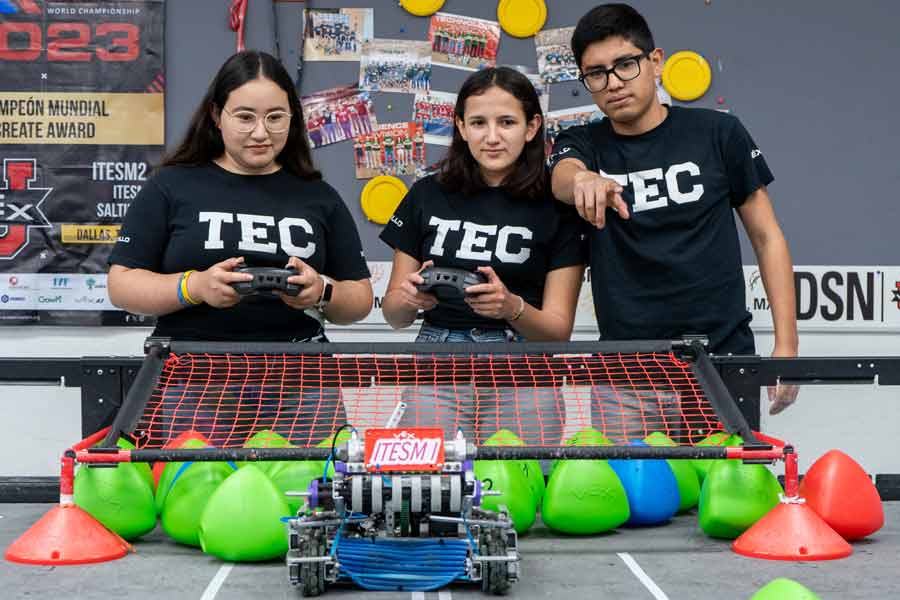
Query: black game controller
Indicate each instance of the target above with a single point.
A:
(447, 281)
(266, 281)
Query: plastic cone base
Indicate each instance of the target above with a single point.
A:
(67, 535)
(792, 531)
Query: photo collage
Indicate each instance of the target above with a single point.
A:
(405, 66)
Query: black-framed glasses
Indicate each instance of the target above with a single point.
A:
(626, 69)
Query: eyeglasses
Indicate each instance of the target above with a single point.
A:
(277, 121)
(625, 69)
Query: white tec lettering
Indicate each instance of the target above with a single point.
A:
(256, 233)
(477, 240)
(674, 181)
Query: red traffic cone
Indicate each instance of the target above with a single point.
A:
(841, 492)
(67, 535)
(792, 531)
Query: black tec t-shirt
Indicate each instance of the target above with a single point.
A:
(521, 239)
(194, 217)
(674, 267)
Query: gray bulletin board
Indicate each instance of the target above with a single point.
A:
(814, 81)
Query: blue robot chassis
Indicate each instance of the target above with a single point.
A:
(407, 531)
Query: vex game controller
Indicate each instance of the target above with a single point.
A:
(266, 281)
(448, 281)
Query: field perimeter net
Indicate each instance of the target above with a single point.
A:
(543, 398)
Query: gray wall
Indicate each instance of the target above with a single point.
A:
(822, 61)
(813, 81)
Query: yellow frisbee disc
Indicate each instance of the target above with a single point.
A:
(686, 75)
(422, 8)
(381, 197)
(521, 18)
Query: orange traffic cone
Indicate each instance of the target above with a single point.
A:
(792, 531)
(841, 492)
(67, 535)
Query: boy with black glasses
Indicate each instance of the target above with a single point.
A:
(660, 184)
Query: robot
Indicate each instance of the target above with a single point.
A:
(402, 512)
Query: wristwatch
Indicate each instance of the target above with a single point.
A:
(327, 290)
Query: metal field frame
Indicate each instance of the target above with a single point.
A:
(732, 383)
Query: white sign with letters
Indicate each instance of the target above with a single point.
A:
(830, 298)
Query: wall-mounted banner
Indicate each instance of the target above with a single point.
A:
(81, 122)
(828, 298)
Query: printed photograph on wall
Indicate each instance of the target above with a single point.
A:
(391, 149)
(559, 120)
(395, 66)
(434, 110)
(542, 89)
(336, 34)
(462, 42)
(554, 53)
(338, 114)
(427, 170)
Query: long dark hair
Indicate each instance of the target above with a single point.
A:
(459, 171)
(203, 141)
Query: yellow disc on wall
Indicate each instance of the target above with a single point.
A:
(381, 197)
(521, 18)
(686, 75)
(422, 8)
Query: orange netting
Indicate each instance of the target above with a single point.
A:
(543, 399)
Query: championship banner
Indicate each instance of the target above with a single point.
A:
(81, 122)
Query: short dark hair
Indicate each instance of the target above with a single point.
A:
(203, 141)
(611, 20)
(459, 171)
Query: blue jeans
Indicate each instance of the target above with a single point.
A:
(534, 414)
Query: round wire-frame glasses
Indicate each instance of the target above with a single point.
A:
(277, 121)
